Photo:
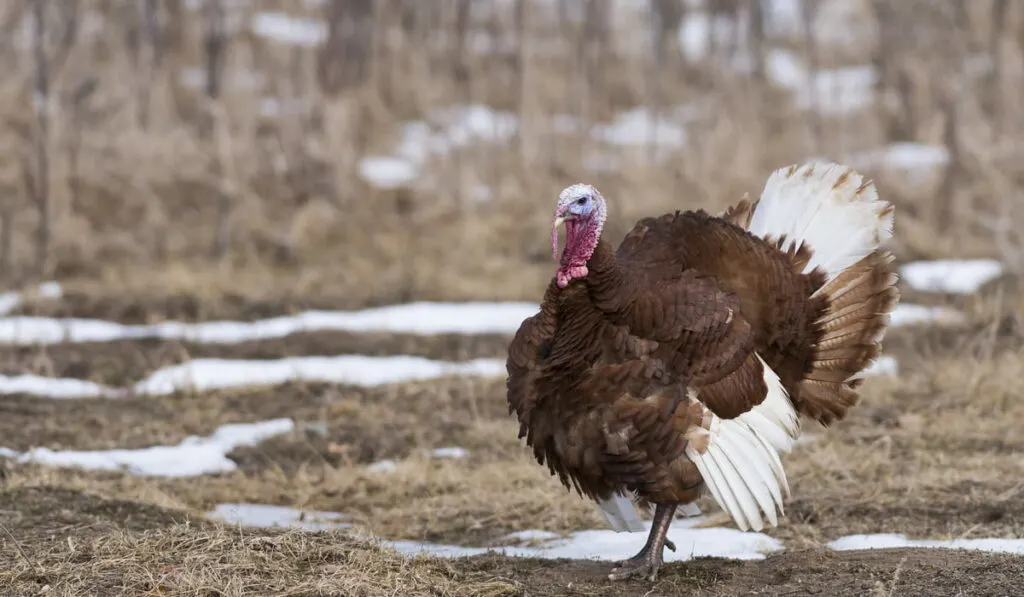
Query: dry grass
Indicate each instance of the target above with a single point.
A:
(169, 201)
(929, 453)
(159, 554)
(161, 189)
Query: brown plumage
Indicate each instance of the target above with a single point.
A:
(679, 362)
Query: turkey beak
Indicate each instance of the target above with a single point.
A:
(559, 220)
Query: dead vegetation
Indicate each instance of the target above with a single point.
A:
(183, 153)
(187, 168)
(159, 552)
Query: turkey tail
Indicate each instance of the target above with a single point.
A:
(621, 513)
(833, 216)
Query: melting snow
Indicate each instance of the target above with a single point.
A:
(208, 374)
(9, 301)
(609, 545)
(907, 156)
(593, 544)
(893, 540)
(910, 314)
(382, 466)
(51, 387)
(453, 453)
(264, 516)
(959, 276)
(412, 318)
(282, 28)
(839, 91)
(193, 456)
(388, 172)
(884, 365)
(530, 535)
(638, 127)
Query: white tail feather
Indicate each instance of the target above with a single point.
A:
(621, 513)
(741, 465)
(829, 207)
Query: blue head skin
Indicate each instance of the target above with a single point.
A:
(583, 211)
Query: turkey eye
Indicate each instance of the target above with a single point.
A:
(581, 201)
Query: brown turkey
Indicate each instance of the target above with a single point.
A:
(680, 362)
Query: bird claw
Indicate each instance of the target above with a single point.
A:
(671, 546)
(641, 564)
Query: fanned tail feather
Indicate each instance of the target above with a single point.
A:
(621, 513)
(834, 216)
(740, 464)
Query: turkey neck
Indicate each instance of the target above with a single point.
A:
(610, 285)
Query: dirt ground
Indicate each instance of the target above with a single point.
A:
(62, 542)
(933, 453)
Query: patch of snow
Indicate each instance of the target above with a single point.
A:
(530, 535)
(786, 69)
(894, 540)
(609, 545)
(839, 91)
(452, 453)
(697, 29)
(911, 314)
(388, 172)
(638, 127)
(957, 276)
(209, 374)
(193, 456)
(454, 128)
(9, 301)
(413, 318)
(266, 516)
(477, 122)
(784, 17)
(382, 466)
(904, 155)
(50, 387)
(280, 27)
(884, 365)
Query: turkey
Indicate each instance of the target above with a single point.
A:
(680, 362)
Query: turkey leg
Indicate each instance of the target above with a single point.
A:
(649, 560)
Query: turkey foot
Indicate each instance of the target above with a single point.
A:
(650, 558)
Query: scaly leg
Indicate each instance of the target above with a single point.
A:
(649, 560)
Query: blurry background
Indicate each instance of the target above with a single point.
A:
(347, 153)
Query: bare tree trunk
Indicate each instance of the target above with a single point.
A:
(41, 183)
(7, 232)
(666, 17)
(460, 66)
(215, 46)
(757, 40)
(1000, 9)
(526, 145)
(945, 214)
(78, 106)
(591, 48)
(346, 58)
(149, 51)
(808, 9)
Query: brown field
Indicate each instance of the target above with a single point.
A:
(152, 198)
